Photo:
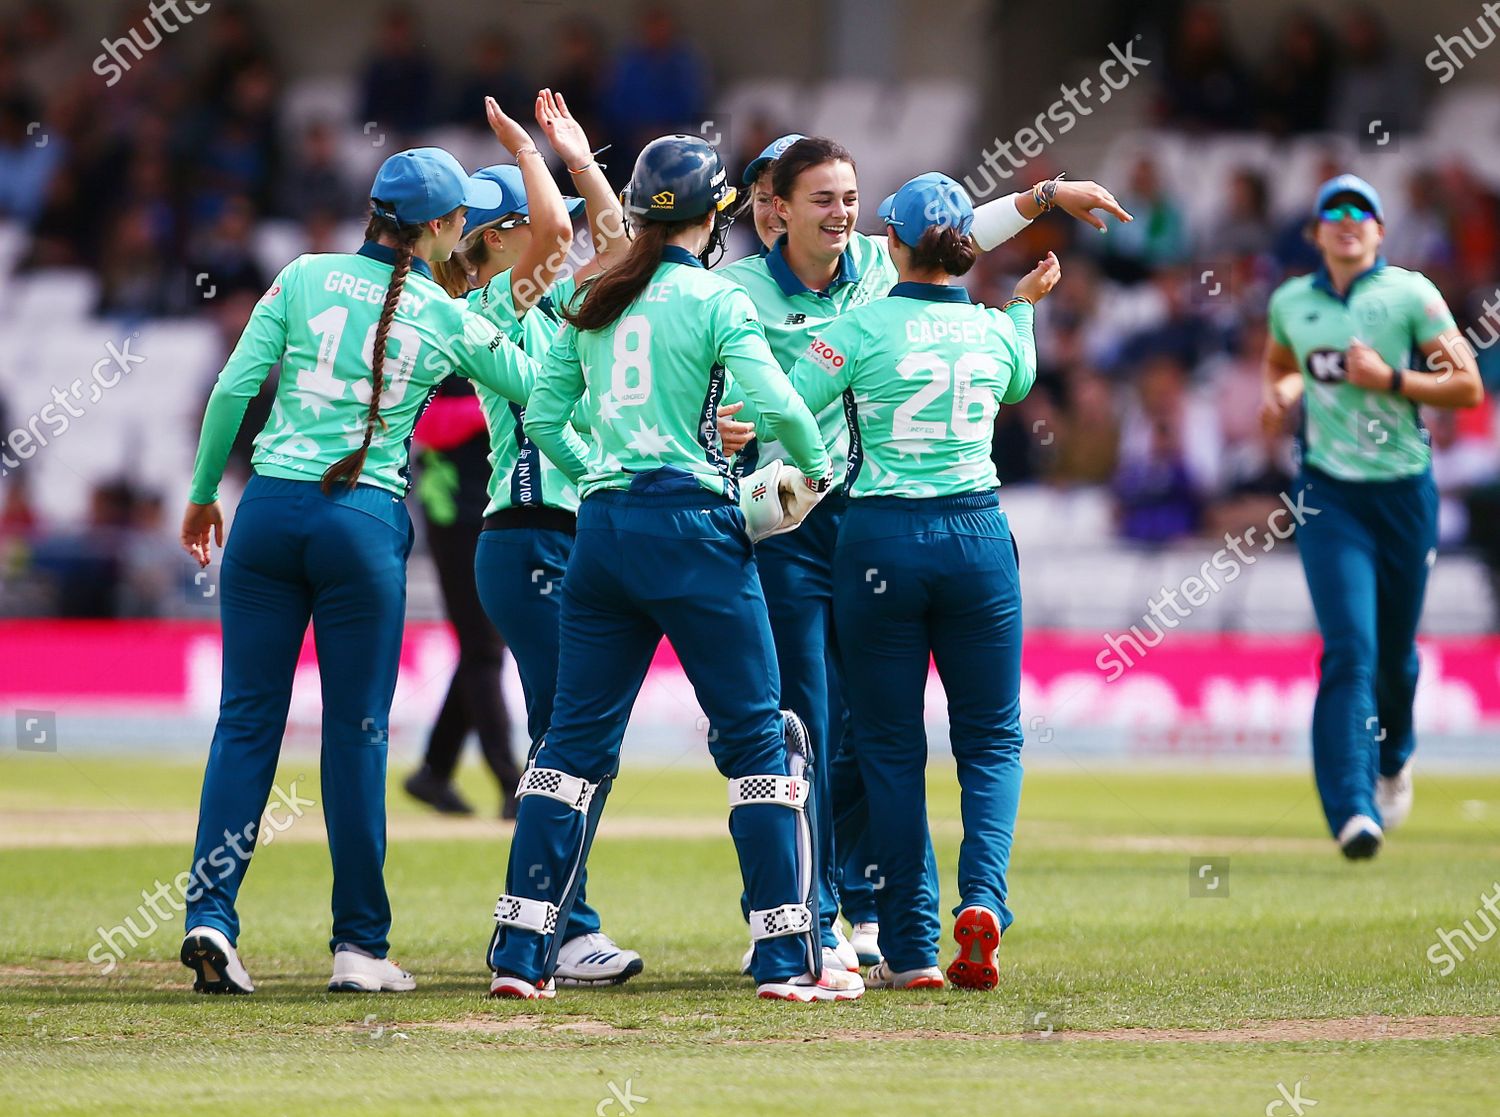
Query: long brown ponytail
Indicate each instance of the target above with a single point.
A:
(347, 469)
(606, 295)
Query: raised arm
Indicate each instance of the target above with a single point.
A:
(539, 265)
(606, 217)
(996, 222)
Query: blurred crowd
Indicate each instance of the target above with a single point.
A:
(1151, 377)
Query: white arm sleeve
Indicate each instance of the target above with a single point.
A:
(996, 222)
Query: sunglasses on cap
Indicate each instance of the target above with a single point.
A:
(1351, 210)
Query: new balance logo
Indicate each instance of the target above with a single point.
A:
(795, 319)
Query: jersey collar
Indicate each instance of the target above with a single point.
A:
(386, 255)
(932, 292)
(1324, 282)
(676, 254)
(787, 279)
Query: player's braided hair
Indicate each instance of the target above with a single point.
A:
(347, 469)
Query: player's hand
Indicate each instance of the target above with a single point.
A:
(563, 132)
(1364, 368)
(510, 134)
(734, 435)
(197, 523)
(1277, 403)
(1081, 199)
(1038, 283)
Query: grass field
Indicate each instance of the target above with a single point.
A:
(1121, 993)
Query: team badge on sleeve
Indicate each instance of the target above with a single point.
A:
(825, 355)
(272, 293)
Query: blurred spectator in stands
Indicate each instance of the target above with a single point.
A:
(1298, 78)
(1293, 249)
(314, 180)
(1256, 466)
(1459, 464)
(1204, 86)
(1420, 240)
(398, 80)
(492, 72)
(29, 154)
(1088, 432)
(237, 152)
(1473, 224)
(1245, 229)
(42, 47)
(1156, 237)
(659, 83)
(136, 277)
(235, 45)
(1374, 82)
(580, 72)
(82, 567)
(1169, 457)
(222, 260)
(1189, 333)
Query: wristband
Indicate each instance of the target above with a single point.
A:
(586, 166)
(1045, 193)
(1397, 375)
(819, 484)
(1017, 301)
(527, 151)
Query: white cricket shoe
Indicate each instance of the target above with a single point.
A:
(843, 954)
(747, 960)
(865, 938)
(595, 959)
(206, 951)
(1393, 796)
(834, 985)
(354, 972)
(1361, 838)
(508, 985)
(881, 976)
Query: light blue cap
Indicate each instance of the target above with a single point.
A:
(925, 201)
(513, 196)
(1349, 184)
(425, 183)
(773, 151)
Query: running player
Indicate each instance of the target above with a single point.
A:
(322, 533)
(1339, 339)
(662, 549)
(819, 269)
(925, 567)
(512, 254)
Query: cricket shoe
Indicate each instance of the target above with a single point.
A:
(357, 972)
(206, 951)
(510, 986)
(1361, 838)
(977, 932)
(833, 985)
(1393, 797)
(595, 959)
(843, 953)
(881, 976)
(865, 938)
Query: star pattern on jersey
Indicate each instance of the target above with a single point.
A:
(869, 409)
(609, 409)
(649, 440)
(317, 390)
(912, 448)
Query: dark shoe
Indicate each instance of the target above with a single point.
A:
(438, 793)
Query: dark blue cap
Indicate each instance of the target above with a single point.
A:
(425, 183)
(925, 201)
(774, 151)
(513, 196)
(1349, 184)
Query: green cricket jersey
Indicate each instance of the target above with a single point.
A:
(654, 379)
(792, 315)
(319, 319)
(520, 475)
(922, 374)
(1357, 434)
